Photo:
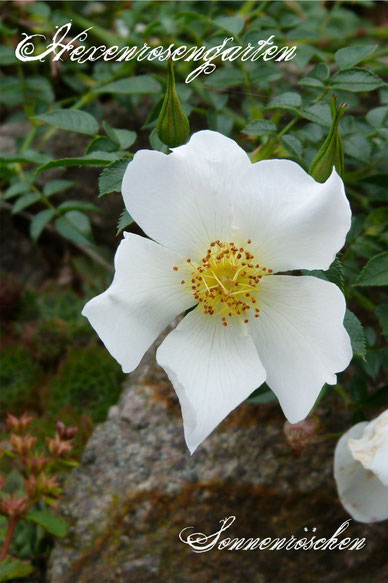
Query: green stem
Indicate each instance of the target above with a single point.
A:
(268, 148)
(341, 391)
(289, 126)
(107, 37)
(43, 197)
(12, 524)
(29, 139)
(331, 436)
(363, 301)
(322, 95)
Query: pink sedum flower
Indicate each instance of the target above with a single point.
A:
(221, 229)
(361, 470)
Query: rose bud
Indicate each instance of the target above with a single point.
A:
(331, 152)
(173, 125)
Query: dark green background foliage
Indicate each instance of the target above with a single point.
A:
(272, 109)
(101, 113)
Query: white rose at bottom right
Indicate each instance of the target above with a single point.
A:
(361, 470)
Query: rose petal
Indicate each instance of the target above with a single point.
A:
(212, 367)
(362, 494)
(183, 200)
(300, 339)
(372, 449)
(294, 222)
(144, 297)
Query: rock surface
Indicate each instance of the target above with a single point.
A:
(138, 487)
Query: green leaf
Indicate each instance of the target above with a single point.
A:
(156, 142)
(357, 146)
(40, 89)
(232, 24)
(220, 122)
(29, 156)
(69, 464)
(124, 221)
(356, 80)
(377, 221)
(79, 205)
(335, 274)
(375, 271)
(25, 201)
(311, 82)
(32, 89)
(49, 522)
(382, 314)
(15, 189)
(7, 56)
(375, 360)
(124, 138)
(262, 395)
(260, 127)
(102, 144)
(355, 229)
(56, 186)
(39, 222)
(143, 84)
(320, 71)
(111, 177)
(75, 226)
(292, 144)
(356, 332)
(304, 55)
(11, 91)
(226, 77)
(288, 100)
(95, 159)
(318, 113)
(71, 120)
(13, 568)
(351, 56)
(378, 116)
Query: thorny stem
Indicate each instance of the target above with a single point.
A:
(12, 524)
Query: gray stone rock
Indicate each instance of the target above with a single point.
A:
(137, 487)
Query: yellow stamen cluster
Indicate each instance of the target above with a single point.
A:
(225, 281)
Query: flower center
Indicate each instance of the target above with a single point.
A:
(226, 281)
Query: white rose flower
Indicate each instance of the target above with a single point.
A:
(361, 470)
(224, 227)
